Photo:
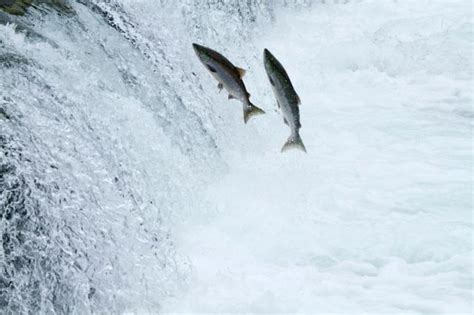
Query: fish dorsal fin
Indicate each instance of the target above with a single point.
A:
(241, 72)
(298, 99)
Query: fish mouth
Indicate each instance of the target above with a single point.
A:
(268, 59)
(200, 50)
(197, 47)
(267, 54)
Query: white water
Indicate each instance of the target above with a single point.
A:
(160, 199)
(377, 217)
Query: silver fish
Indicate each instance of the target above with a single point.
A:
(229, 77)
(287, 99)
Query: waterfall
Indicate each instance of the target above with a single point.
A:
(128, 183)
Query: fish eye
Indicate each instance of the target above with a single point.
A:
(211, 68)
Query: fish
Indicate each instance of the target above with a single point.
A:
(287, 100)
(229, 78)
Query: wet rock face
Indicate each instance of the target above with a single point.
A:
(7, 3)
(15, 7)
(19, 7)
(60, 6)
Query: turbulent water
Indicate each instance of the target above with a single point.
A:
(129, 184)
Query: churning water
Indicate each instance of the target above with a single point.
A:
(129, 184)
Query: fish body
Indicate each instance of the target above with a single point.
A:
(229, 78)
(287, 99)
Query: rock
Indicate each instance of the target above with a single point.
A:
(19, 7)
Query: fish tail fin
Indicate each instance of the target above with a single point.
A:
(294, 141)
(251, 110)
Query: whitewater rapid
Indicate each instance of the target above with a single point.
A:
(130, 185)
(377, 217)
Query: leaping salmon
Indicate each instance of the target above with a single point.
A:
(229, 77)
(287, 99)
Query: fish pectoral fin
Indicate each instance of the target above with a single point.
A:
(271, 81)
(211, 68)
(220, 86)
(285, 121)
(298, 99)
(230, 97)
(241, 72)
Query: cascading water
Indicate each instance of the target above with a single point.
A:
(105, 133)
(128, 183)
